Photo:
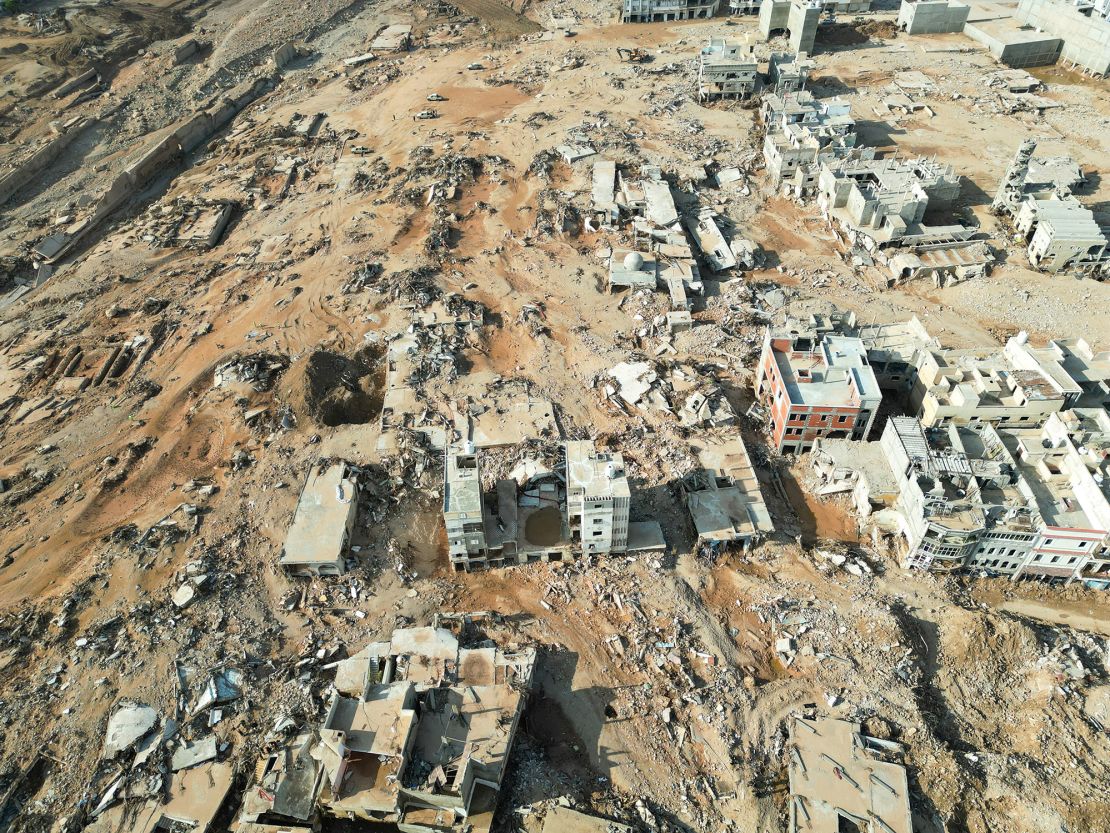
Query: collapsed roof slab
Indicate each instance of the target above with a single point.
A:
(843, 780)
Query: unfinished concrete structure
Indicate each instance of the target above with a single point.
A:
(801, 132)
(661, 11)
(723, 496)
(788, 72)
(815, 384)
(1023, 502)
(1083, 26)
(419, 729)
(884, 201)
(841, 780)
(932, 17)
(994, 26)
(799, 19)
(726, 69)
(316, 544)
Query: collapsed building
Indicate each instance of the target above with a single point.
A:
(318, 537)
(417, 734)
(842, 780)
(723, 495)
(1060, 233)
(662, 256)
(581, 505)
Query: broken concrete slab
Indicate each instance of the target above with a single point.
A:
(190, 755)
(127, 726)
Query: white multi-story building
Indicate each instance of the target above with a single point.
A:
(1029, 503)
(662, 11)
(598, 498)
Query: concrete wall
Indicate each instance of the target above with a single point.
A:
(188, 135)
(773, 15)
(1086, 39)
(930, 17)
(11, 181)
(284, 55)
(802, 23)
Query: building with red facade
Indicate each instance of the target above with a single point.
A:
(816, 384)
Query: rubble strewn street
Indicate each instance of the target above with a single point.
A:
(554, 417)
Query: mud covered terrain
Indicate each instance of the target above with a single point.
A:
(247, 226)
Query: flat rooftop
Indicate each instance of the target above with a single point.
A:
(837, 774)
(597, 474)
(319, 528)
(835, 374)
(462, 487)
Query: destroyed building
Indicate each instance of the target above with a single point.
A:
(1060, 233)
(1029, 502)
(318, 537)
(580, 506)
(815, 384)
(417, 734)
(604, 197)
(723, 496)
(842, 780)
(663, 11)
(726, 69)
(648, 198)
(396, 37)
(803, 131)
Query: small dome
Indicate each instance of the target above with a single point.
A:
(633, 261)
